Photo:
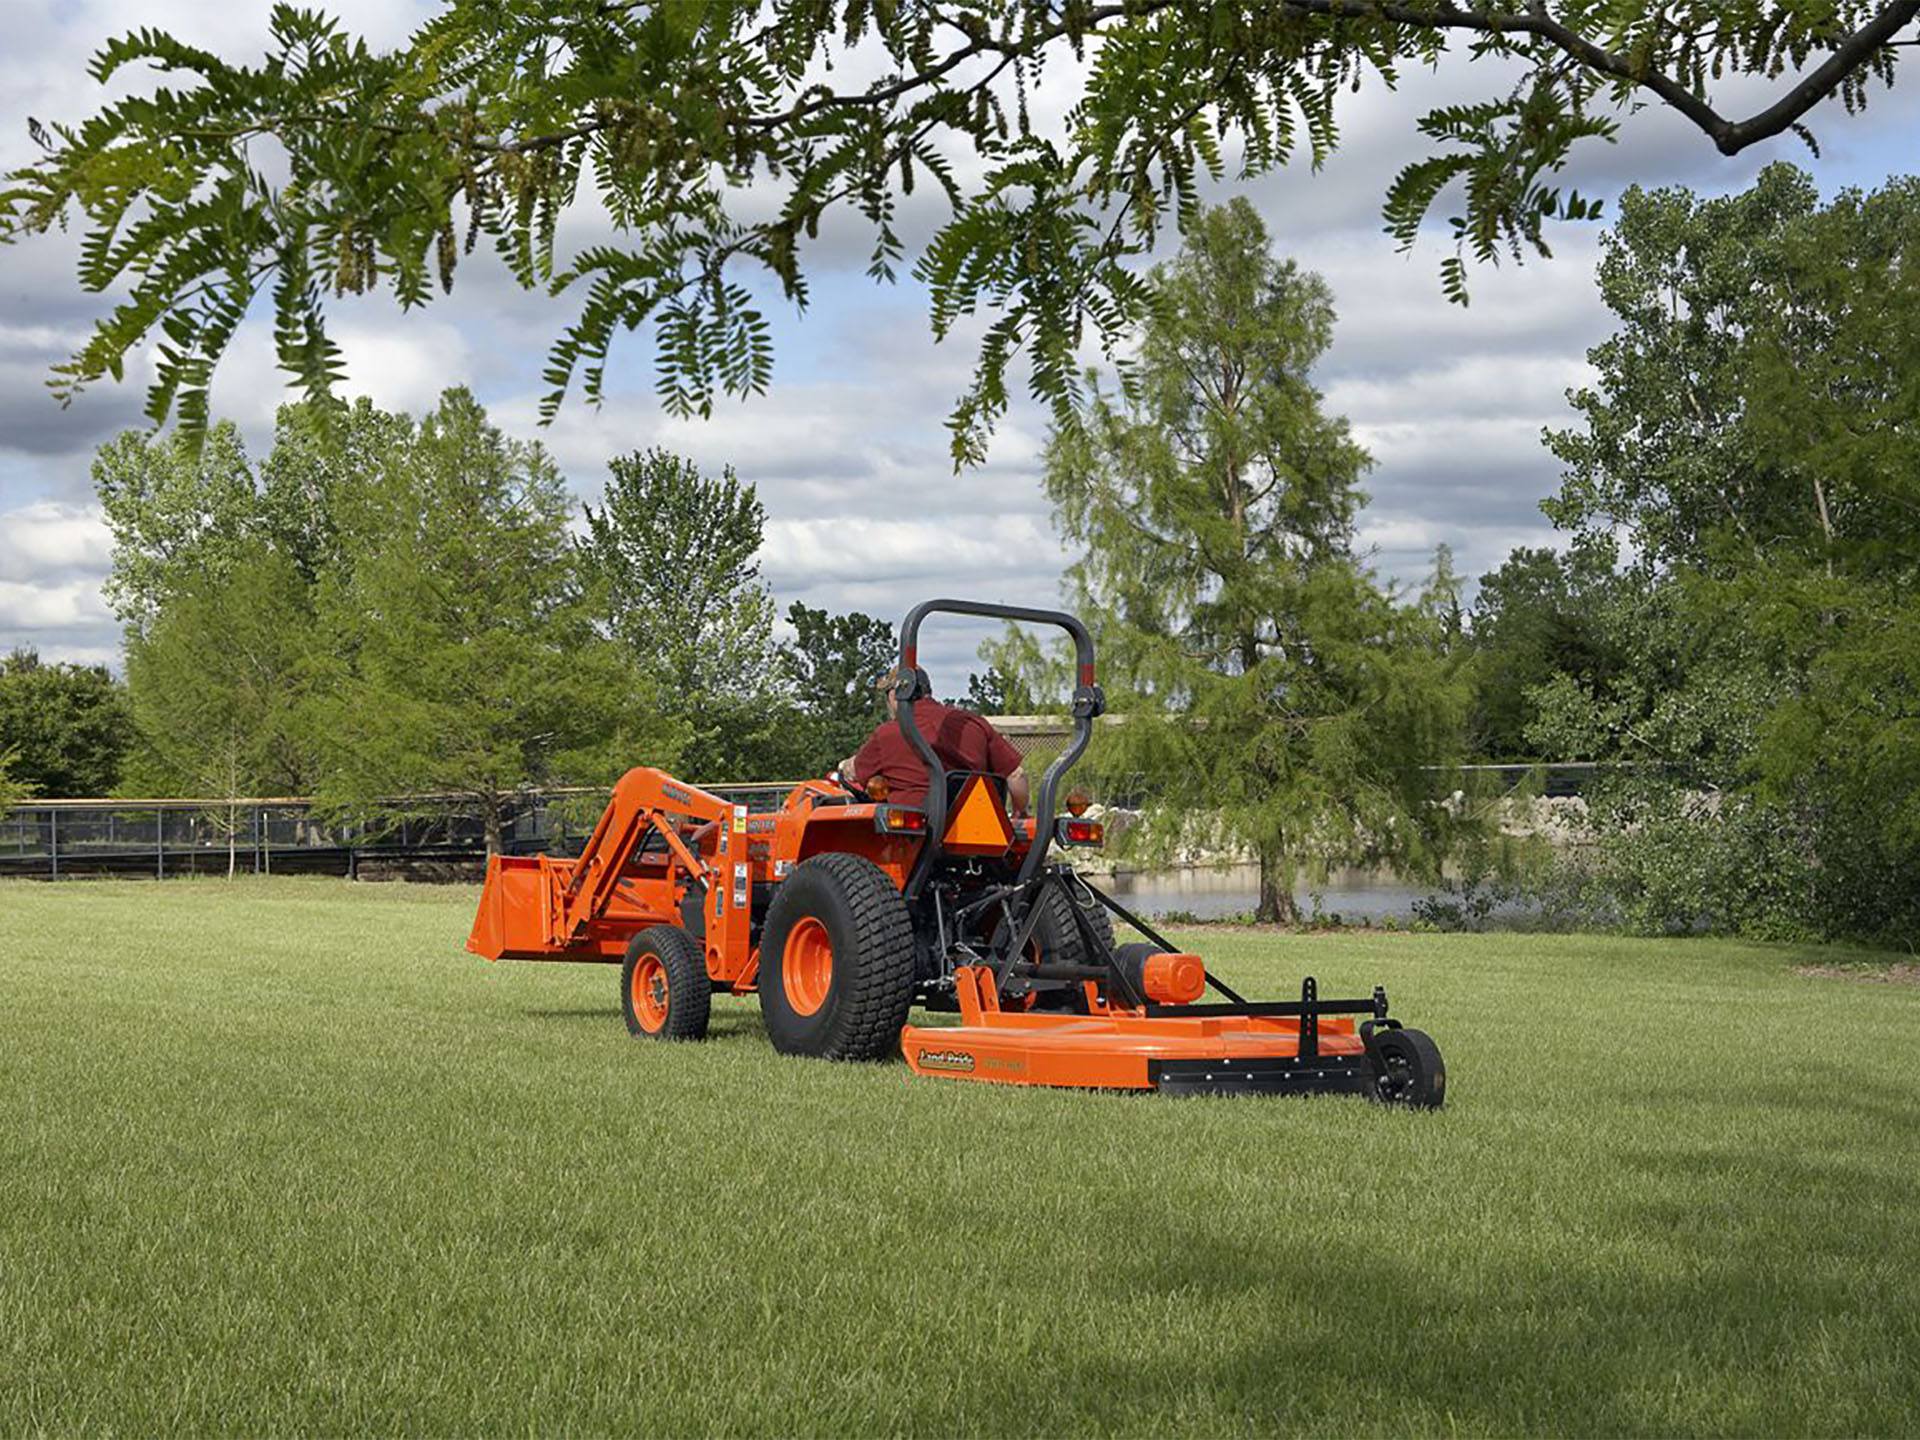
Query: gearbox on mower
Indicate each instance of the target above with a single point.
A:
(843, 912)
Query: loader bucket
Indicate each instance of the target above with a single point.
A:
(510, 924)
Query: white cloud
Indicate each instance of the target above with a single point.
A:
(52, 560)
(47, 539)
(67, 605)
(804, 553)
(398, 367)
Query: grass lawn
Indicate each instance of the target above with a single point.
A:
(279, 1156)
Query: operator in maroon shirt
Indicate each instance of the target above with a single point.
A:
(962, 740)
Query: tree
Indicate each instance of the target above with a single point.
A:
(12, 789)
(216, 684)
(320, 454)
(1753, 435)
(832, 664)
(67, 725)
(671, 561)
(462, 659)
(1270, 688)
(1745, 320)
(997, 692)
(720, 136)
(177, 512)
(217, 687)
(1441, 598)
(1539, 615)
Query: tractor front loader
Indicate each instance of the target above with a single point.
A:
(843, 911)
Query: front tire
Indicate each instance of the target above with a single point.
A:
(664, 990)
(836, 961)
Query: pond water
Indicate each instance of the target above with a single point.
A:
(1215, 892)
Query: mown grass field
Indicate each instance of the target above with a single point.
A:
(280, 1157)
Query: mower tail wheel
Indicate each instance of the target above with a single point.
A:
(1408, 1069)
(664, 990)
(836, 961)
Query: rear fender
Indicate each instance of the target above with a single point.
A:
(848, 830)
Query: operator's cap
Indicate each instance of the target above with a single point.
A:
(886, 682)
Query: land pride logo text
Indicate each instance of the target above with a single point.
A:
(946, 1060)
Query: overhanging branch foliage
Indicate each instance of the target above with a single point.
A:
(717, 138)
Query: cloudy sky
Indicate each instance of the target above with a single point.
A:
(849, 449)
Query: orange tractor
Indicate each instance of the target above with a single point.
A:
(843, 911)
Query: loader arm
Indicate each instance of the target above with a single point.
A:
(540, 907)
(642, 800)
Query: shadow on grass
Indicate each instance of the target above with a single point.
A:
(1582, 1345)
(1836, 1093)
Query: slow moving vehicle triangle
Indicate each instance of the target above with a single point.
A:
(979, 826)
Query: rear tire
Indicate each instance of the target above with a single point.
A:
(836, 961)
(664, 990)
(1408, 1069)
(1059, 941)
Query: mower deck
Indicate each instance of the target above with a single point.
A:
(1181, 1049)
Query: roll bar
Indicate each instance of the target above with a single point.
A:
(910, 685)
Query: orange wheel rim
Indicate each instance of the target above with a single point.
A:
(650, 993)
(806, 965)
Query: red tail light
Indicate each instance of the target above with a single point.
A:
(899, 820)
(1075, 831)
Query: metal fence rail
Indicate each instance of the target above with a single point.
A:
(436, 836)
(55, 839)
(444, 836)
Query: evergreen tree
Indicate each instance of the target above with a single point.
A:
(461, 658)
(1271, 689)
(671, 562)
(217, 681)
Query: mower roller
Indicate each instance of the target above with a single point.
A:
(842, 912)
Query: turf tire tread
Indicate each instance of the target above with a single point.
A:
(874, 1007)
(689, 990)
